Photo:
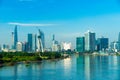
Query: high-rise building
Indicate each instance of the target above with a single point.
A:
(119, 37)
(102, 44)
(0, 49)
(5, 48)
(114, 46)
(32, 45)
(90, 41)
(30, 41)
(12, 47)
(118, 41)
(41, 41)
(19, 46)
(55, 45)
(25, 47)
(80, 44)
(15, 37)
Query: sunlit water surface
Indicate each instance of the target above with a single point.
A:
(76, 67)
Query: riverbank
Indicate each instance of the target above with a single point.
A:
(22, 57)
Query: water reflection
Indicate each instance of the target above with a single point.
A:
(67, 66)
(87, 67)
(77, 67)
(98, 67)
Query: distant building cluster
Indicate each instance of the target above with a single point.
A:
(36, 43)
(58, 47)
(115, 45)
(86, 43)
(89, 43)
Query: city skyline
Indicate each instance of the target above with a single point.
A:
(60, 18)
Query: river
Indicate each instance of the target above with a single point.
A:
(76, 67)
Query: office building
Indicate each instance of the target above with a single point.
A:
(55, 45)
(90, 41)
(5, 48)
(41, 41)
(118, 41)
(12, 47)
(25, 47)
(80, 44)
(119, 37)
(102, 44)
(0, 49)
(32, 42)
(19, 46)
(114, 46)
(15, 37)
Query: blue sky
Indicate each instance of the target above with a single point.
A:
(67, 19)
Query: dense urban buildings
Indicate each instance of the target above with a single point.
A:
(88, 43)
(36, 43)
(55, 45)
(80, 44)
(114, 46)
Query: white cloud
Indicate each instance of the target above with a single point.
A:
(29, 24)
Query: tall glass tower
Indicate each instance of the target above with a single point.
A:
(119, 41)
(80, 44)
(102, 44)
(15, 37)
(32, 45)
(41, 40)
(119, 37)
(90, 41)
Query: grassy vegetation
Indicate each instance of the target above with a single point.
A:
(23, 56)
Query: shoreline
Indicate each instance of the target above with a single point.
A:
(63, 56)
(26, 62)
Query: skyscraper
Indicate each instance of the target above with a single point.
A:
(41, 40)
(90, 41)
(55, 45)
(15, 37)
(32, 42)
(19, 46)
(114, 46)
(119, 37)
(12, 47)
(118, 42)
(80, 44)
(53, 37)
(102, 44)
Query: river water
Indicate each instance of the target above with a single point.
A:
(77, 67)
